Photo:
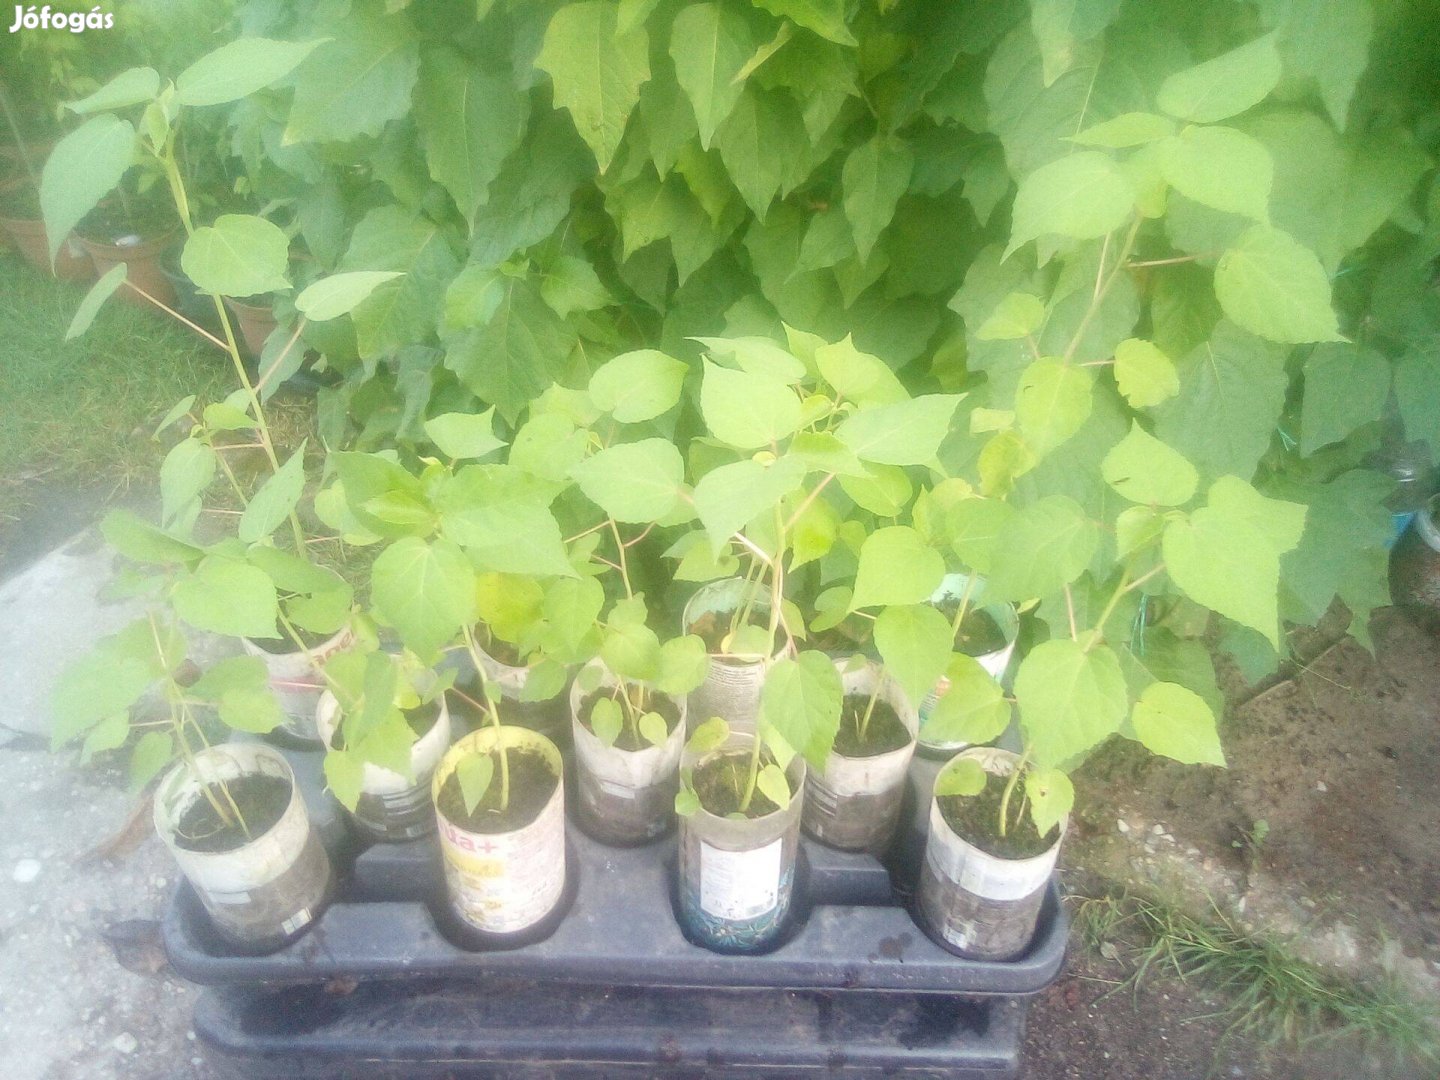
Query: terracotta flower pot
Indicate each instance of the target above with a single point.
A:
(256, 323)
(142, 257)
(29, 237)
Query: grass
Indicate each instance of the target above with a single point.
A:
(80, 414)
(1268, 992)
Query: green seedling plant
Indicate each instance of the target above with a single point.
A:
(374, 691)
(762, 773)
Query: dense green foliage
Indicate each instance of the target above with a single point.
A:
(1147, 286)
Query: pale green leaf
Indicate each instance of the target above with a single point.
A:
(426, 591)
(638, 386)
(1052, 403)
(1144, 470)
(238, 69)
(596, 70)
(727, 498)
(914, 641)
(275, 501)
(227, 597)
(1224, 86)
(90, 306)
(1042, 548)
(340, 294)
(633, 482)
(185, 473)
(1144, 374)
(464, 435)
(1126, 130)
(1345, 387)
(972, 707)
(824, 17)
(747, 410)
(896, 567)
(240, 255)
(1226, 556)
(1017, 316)
(773, 785)
(128, 88)
(1069, 699)
(906, 433)
(356, 81)
(875, 175)
(474, 773)
(1173, 721)
(84, 166)
(1051, 797)
(963, 777)
(1273, 287)
(1084, 196)
(801, 700)
(1221, 168)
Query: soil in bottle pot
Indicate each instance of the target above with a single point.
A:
(237, 826)
(737, 868)
(980, 893)
(504, 860)
(854, 803)
(987, 632)
(625, 792)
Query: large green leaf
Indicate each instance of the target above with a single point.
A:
(1221, 168)
(633, 482)
(186, 472)
(729, 497)
(875, 175)
(596, 70)
(745, 409)
(401, 311)
(1176, 722)
(502, 518)
(897, 566)
(517, 353)
(1052, 403)
(825, 17)
(240, 255)
(276, 499)
(1145, 470)
(1226, 556)
(1224, 86)
(760, 121)
(1084, 195)
(426, 591)
(1144, 374)
(238, 69)
(95, 299)
(1070, 699)
(637, 386)
(1044, 547)
(914, 642)
(1417, 392)
(227, 597)
(357, 81)
(1273, 287)
(340, 294)
(906, 433)
(1345, 386)
(801, 700)
(128, 88)
(469, 122)
(710, 44)
(1060, 26)
(81, 170)
(1232, 389)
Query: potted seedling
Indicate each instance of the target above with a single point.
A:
(136, 230)
(385, 725)
(230, 814)
(985, 631)
(853, 803)
(995, 829)
(628, 714)
(739, 835)
(732, 618)
(500, 800)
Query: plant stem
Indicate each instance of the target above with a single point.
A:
(864, 726)
(964, 607)
(754, 771)
(1010, 790)
(624, 566)
(474, 650)
(1098, 297)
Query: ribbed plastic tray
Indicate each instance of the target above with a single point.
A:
(519, 1030)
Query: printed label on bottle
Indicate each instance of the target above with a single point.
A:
(740, 884)
(509, 881)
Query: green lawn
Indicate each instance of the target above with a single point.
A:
(78, 416)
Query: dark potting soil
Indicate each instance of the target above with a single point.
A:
(976, 818)
(979, 632)
(714, 626)
(720, 785)
(885, 731)
(498, 649)
(113, 220)
(260, 799)
(631, 739)
(531, 784)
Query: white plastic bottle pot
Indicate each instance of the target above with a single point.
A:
(296, 680)
(994, 662)
(392, 807)
(732, 686)
(504, 882)
(975, 904)
(547, 717)
(269, 889)
(737, 877)
(854, 804)
(624, 796)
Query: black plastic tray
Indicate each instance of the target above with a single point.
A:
(848, 930)
(520, 1029)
